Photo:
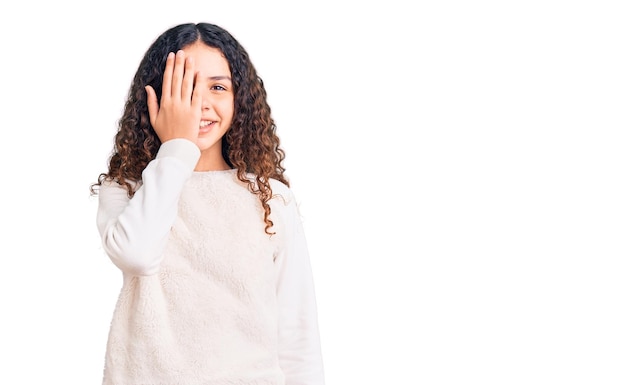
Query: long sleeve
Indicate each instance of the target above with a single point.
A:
(299, 342)
(134, 231)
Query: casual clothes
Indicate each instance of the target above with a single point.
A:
(208, 297)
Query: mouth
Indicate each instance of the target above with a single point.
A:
(205, 125)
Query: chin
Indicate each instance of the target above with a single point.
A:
(205, 144)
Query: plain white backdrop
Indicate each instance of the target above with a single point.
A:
(460, 169)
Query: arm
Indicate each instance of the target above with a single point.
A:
(298, 335)
(134, 231)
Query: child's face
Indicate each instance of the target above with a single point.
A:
(218, 102)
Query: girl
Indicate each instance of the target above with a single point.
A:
(196, 212)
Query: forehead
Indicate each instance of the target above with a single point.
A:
(208, 59)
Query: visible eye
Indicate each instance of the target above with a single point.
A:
(218, 87)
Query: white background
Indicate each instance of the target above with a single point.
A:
(460, 168)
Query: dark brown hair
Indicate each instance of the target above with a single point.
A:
(250, 145)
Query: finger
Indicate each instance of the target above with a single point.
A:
(187, 86)
(153, 106)
(201, 82)
(177, 74)
(167, 76)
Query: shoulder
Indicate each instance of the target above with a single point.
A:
(281, 193)
(110, 186)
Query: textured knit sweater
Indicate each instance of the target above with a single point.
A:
(207, 296)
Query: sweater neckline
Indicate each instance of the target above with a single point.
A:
(213, 172)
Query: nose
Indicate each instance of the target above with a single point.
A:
(206, 102)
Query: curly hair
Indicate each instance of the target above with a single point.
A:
(250, 145)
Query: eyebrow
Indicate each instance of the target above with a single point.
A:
(219, 77)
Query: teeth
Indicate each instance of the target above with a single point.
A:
(205, 123)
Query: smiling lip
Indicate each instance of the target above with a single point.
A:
(205, 126)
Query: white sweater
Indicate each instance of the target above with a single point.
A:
(207, 297)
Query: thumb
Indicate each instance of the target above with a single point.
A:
(153, 106)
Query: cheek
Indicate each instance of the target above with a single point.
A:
(226, 109)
